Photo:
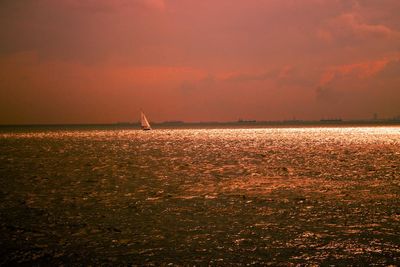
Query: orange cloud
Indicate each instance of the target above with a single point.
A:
(360, 70)
(98, 93)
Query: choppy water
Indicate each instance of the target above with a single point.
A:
(201, 196)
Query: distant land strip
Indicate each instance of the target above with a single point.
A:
(180, 124)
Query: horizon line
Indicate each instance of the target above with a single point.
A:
(239, 122)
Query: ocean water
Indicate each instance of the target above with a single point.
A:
(273, 196)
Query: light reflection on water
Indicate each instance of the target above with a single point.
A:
(300, 195)
(342, 134)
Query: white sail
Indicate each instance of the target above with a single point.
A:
(144, 123)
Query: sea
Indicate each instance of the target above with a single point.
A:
(219, 196)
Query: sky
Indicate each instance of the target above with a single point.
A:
(101, 61)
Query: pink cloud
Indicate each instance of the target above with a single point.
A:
(98, 93)
(356, 24)
(350, 26)
(360, 70)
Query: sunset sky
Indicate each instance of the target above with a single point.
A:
(100, 61)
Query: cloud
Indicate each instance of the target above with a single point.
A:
(87, 31)
(248, 77)
(191, 86)
(327, 95)
(360, 70)
(74, 92)
(361, 89)
(110, 6)
(360, 28)
(391, 70)
(265, 57)
(350, 27)
(289, 76)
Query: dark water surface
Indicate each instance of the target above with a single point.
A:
(276, 196)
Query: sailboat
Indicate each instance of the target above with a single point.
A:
(144, 123)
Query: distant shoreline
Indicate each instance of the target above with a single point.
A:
(236, 124)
